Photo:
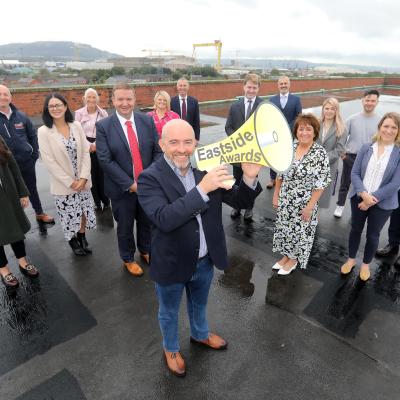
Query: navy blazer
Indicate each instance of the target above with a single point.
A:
(292, 108)
(175, 238)
(192, 112)
(236, 117)
(114, 154)
(390, 185)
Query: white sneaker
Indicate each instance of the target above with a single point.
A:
(339, 211)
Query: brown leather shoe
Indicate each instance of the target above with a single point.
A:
(146, 257)
(214, 342)
(175, 363)
(133, 268)
(47, 219)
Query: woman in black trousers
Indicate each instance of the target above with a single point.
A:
(376, 180)
(13, 221)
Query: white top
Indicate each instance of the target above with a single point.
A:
(376, 168)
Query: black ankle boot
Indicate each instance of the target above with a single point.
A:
(76, 247)
(84, 243)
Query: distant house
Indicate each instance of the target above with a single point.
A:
(113, 80)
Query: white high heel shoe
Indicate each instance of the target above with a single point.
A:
(284, 272)
(277, 266)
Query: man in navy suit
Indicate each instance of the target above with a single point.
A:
(127, 143)
(240, 111)
(187, 106)
(184, 206)
(290, 106)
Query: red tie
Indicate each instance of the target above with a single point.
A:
(183, 108)
(134, 146)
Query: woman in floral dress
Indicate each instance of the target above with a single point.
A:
(296, 197)
(65, 152)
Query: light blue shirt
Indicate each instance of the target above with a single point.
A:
(189, 183)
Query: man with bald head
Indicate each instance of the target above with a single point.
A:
(184, 206)
(187, 107)
(21, 138)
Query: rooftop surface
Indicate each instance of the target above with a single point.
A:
(86, 329)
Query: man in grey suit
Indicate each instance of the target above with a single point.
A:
(240, 111)
(290, 106)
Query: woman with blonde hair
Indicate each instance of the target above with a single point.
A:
(88, 116)
(162, 111)
(332, 137)
(375, 179)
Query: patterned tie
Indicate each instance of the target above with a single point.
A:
(134, 146)
(183, 108)
(248, 112)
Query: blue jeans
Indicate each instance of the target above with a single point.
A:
(169, 299)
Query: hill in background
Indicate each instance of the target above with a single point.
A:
(53, 51)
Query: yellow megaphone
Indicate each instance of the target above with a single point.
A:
(265, 138)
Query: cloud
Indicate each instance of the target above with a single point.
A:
(366, 30)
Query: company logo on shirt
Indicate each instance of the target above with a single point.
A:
(19, 125)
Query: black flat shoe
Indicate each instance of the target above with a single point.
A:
(10, 280)
(29, 270)
(388, 250)
(84, 244)
(235, 213)
(76, 247)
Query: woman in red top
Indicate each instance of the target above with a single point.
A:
(162, 110)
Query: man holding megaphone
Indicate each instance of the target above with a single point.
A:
(185, 208)
(239, 112)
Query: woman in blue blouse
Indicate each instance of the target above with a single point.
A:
(376, 180)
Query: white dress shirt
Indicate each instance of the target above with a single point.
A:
(122, 121)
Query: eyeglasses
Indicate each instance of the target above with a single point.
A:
(58, 106)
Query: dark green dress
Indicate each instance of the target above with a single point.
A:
(13, 221)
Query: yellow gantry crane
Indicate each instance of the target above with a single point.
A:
(217, 44)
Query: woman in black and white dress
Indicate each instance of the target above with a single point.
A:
(65, 152)
(296, 197)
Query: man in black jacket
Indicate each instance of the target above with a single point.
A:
(21, 138)
(187, 106)
(239, 113)
(188, 239)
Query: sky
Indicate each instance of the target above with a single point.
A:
(365, 32)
